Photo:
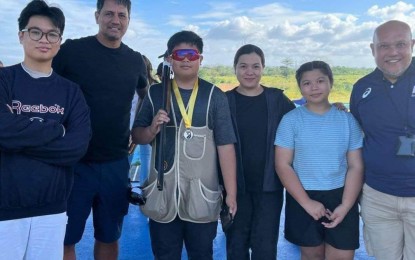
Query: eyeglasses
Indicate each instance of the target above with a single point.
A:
(182, 54)
(36, 34)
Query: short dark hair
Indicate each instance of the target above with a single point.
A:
(41, 8)
(126, 3)
(312, 65)
(248, 49)
(188, 37)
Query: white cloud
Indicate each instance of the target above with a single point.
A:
(280, 30)
(177, 20)
(194, 28)
(274, 14)
(218, 10)
(238, 28)
(400, 11)
(80, 22)
(390, 12)
(340, 38)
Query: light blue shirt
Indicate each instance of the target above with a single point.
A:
(320, 144)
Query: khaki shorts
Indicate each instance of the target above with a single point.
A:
(389, 225)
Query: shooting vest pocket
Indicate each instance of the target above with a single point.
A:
(159, 204)
(201, 204)
(195, 148)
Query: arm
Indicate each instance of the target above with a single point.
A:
(145, 135)
(141, 135)
(19, 131)
(143, 82)
(227, 161)
(141, 95)
(352, 188)
(283, 162)
(340, 106)
(69, 149)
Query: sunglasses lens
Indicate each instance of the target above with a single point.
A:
(181, 54)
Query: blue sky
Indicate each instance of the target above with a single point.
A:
(338, 32)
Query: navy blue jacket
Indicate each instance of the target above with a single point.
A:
(44, 131)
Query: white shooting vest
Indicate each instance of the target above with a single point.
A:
(191, 187)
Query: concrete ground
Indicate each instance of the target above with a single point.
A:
(135, 241)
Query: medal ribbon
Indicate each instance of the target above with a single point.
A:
(187, 116)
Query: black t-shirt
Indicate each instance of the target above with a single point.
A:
(252, 121)
(108, 78)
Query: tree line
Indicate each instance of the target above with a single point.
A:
(283, 77)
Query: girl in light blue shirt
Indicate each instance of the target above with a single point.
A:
(318, 159)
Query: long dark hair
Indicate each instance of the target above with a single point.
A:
(150, 77)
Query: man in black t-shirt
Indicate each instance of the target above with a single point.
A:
(109, 73)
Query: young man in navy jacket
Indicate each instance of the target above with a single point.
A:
(44, 131)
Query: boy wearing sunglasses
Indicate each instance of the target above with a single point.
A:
(44, 131)
(199, 138)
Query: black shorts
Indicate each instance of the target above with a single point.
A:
(102, 186)
(302, 230)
